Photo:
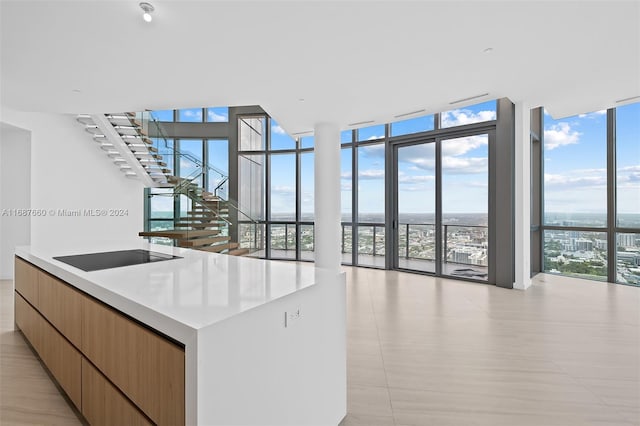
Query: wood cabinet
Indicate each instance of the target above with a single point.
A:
(26, 318)
(146, 367)
(62, 360)
(60, 357)
(103, 404)
(61, 305)
(26, 281)
(113, 369)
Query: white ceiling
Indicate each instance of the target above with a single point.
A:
(350, 61)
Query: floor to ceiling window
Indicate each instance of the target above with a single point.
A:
(628, 194)
(371, 238)
(591, 198)
(465, 202)
(416, 189)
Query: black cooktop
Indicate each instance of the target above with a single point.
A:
(113, 259)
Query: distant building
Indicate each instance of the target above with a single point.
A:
(629, 258)
(583, 244)
(627, 240)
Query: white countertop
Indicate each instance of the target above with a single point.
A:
(180, 296)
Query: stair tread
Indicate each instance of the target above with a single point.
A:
(199, 242)
(219, 247)
(238, 252)
(180, 233)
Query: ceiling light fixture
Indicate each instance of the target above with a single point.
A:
(409, 113)
(361, 122)
(147, 8)
(468, 99)
(488, 50)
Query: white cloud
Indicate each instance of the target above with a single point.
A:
(283, 190)
(346, 186)
(423, 156)
(560, 134)
(373, 138)
(278, 130)
(371, 174)
(459, 117)
(192, 113)
(575, 181)
(594, 114)
(346, 175)
(465, 165)
(460, 146)
(629, 177)
(373, 151)
(415, 179)
(215, 117)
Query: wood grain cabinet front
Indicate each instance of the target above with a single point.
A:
(60, 357)
(63, 360)
(146, 367)
(61, 305)
(27, 320)
(103, 404)
(26, 281)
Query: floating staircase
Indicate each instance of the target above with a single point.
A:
(125, 139)
(127, 143)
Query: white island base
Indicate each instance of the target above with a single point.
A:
(264, 341)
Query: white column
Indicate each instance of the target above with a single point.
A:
(327, 196)
(523, 196)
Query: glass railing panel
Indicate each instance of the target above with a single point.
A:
(465, 251)
(371, 245)
(347, 243)
(307, 247)
(416, 246)
(283, 241)
(251, 236)
(579, 254)
(628, 259)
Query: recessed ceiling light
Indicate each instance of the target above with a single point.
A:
(76, 91)
(301, 99)
(147, 8)
(361, 122)
(488, 50)
(470, 98)
(409, 113)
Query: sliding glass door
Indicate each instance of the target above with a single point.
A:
(441, 206)
(415, 223)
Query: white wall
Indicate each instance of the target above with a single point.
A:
(15, 194)
(70, 172)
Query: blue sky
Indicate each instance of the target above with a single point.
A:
(575, 158)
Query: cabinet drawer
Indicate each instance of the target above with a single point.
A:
(63, 360)
(27, 320)
(26, 281)
(60, 357)
(61, 305)
(103, 404)
(146, 367)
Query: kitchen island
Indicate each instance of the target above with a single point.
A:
(203, 339)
